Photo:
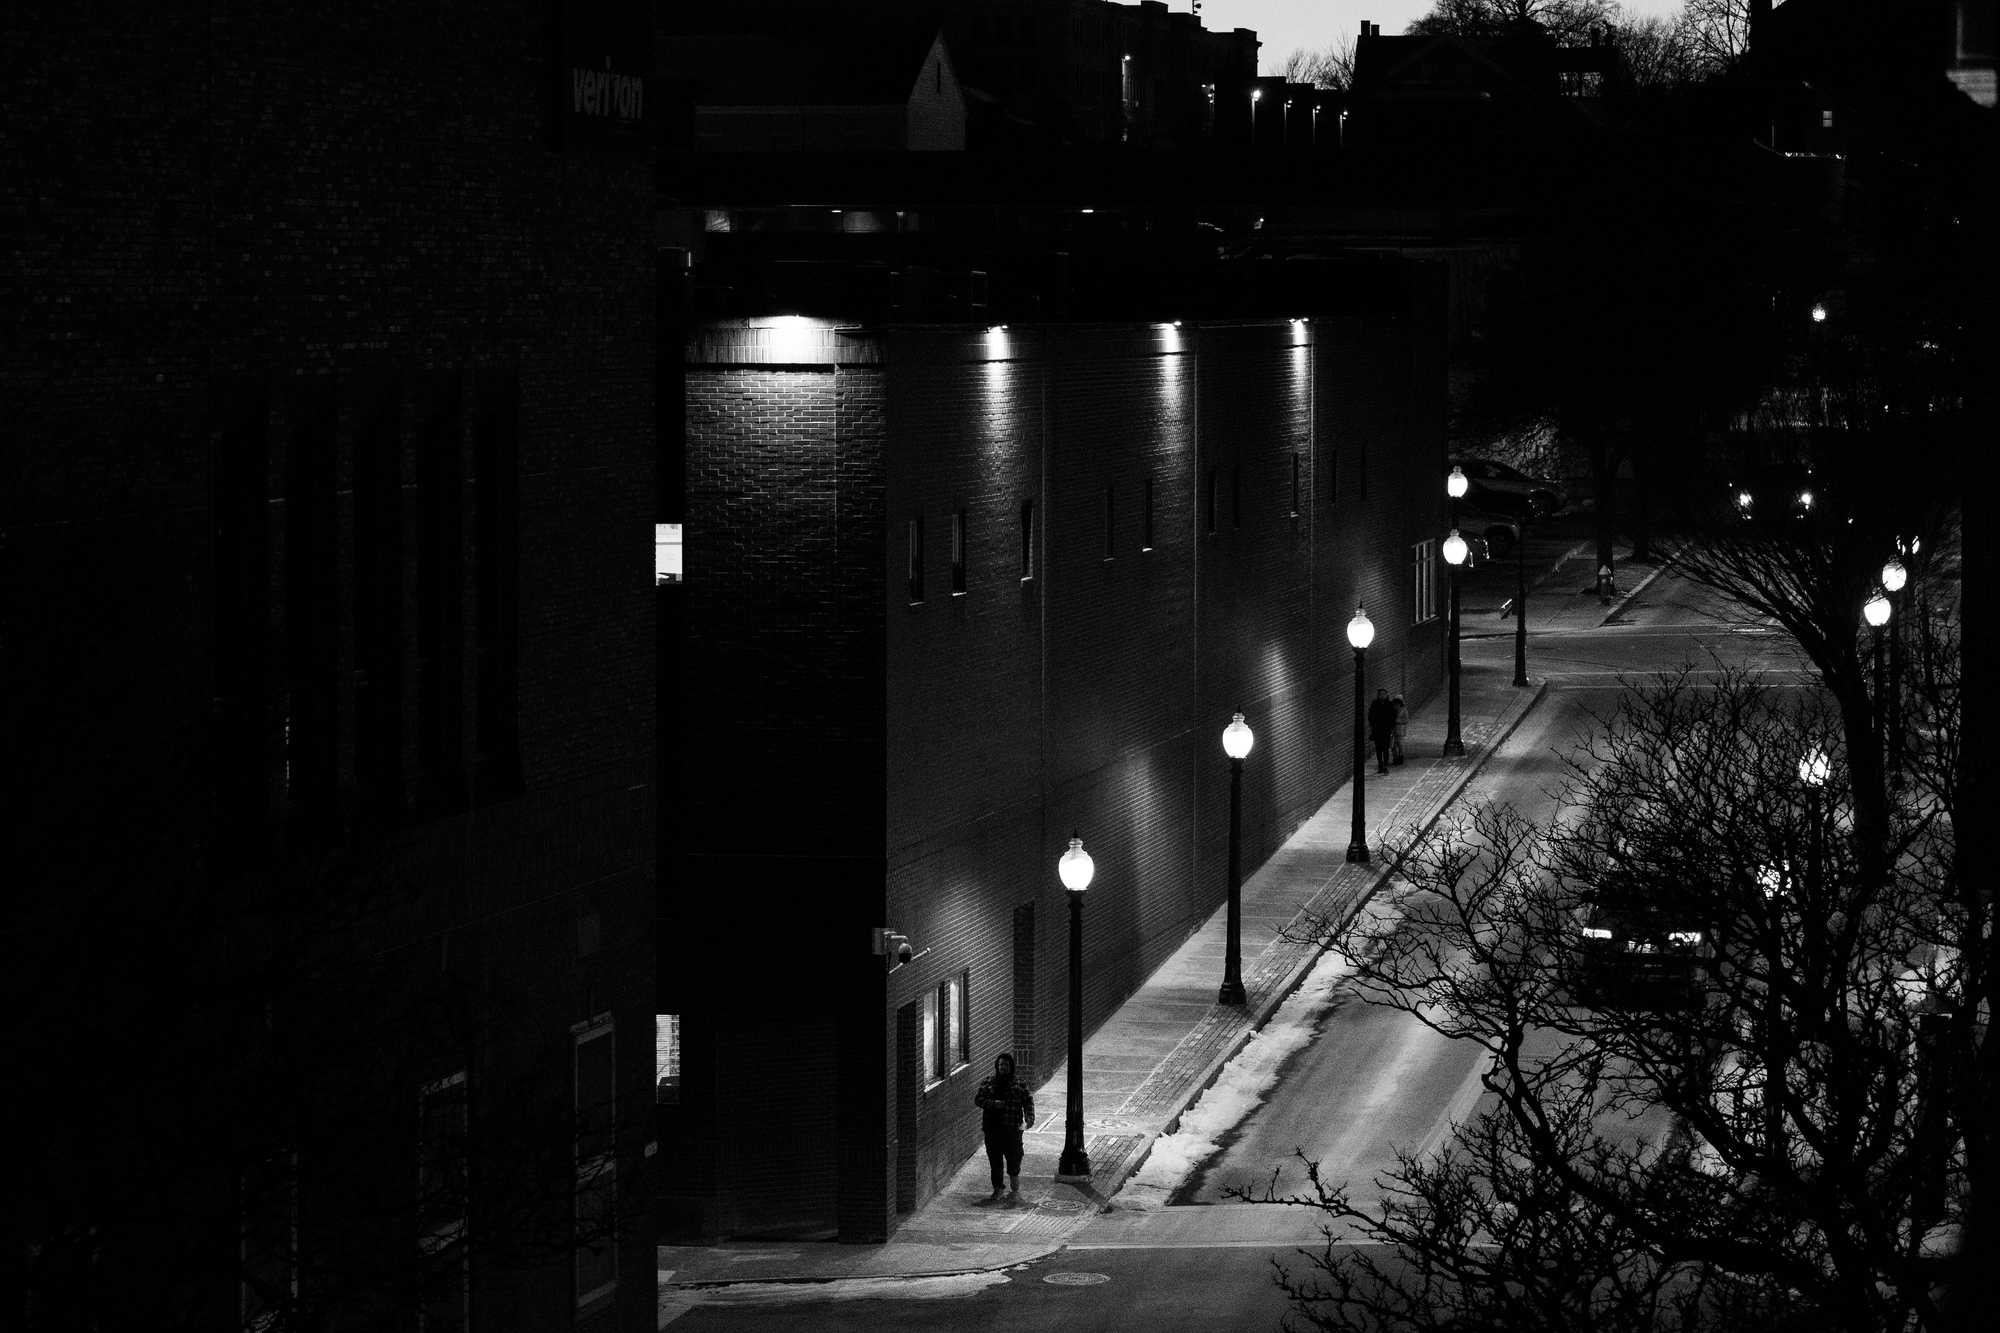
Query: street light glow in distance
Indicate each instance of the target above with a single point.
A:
(1894, 576)
(1815, 767)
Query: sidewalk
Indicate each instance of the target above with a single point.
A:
(1149, 1061)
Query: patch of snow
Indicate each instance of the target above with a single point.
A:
(1246, 1081)
(949, 1286)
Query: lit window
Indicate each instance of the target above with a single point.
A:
(1826, 119)
(1424, 580)
(666, 553)
(595, 1213)
(1027, 540)
(667, 1058)
(958, 554)
(946, 1043)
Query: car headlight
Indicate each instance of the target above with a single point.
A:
(1743, 500)
(1805, 499)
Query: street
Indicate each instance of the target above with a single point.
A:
(1370, 1081)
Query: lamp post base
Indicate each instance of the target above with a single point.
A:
(1454, 749)
(1357, 853)
(1231, 992)
(1074, 1162)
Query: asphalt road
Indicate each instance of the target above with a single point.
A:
(1373, 1080)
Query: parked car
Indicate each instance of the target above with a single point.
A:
(1494, 486)
(1498, 531)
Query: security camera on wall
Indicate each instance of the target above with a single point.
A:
(895, 947)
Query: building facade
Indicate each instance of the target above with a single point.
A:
(954, 593)
(332, 674)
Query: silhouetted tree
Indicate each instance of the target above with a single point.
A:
(1771, 1138)
(1568, 22)
(1330, 67)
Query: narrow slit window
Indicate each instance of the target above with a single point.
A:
(667, 1059)
(1146, 515)
(958, 554)
(914, 573)
(1027, 540)
(1110, 522)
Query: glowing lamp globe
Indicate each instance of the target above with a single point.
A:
(1455, 485)
(1075, 868)
(1360, 630)
(1814, 768)
(1455, 549)
(1894, 576)
(1237, 738)
(1876, 610)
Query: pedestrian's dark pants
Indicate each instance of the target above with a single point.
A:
(1382, 752)
(1003, 1148)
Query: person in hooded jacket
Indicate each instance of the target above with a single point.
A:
(1009, 1108)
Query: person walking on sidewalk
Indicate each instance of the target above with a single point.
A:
(1402, 730)
(1009, 1108)
(1382, 728)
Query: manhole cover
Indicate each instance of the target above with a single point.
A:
(1076, 1279)
(1062, 1205)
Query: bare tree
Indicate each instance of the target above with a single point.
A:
(1568, 22)
(1788, 1018)
(1715, 33)
(1331, 67)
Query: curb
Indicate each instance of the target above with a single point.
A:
(1618, 607)
(1279, 994)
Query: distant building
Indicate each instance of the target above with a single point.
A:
(845, 89)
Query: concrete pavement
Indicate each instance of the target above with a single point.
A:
(1151, 1059)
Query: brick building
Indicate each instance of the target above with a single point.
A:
(332, 687)
(951, 593)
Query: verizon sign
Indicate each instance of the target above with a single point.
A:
(603, 64)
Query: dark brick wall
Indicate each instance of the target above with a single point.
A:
(257, 254)
(1006, 712)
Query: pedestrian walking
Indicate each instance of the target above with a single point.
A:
(1009, 1108)
(1382, 728)
(1402, 730)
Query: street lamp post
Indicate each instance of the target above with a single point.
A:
(1237, 739)
(1894, 576)
(1876, 612)
(1521, 602)
(1075, 870)
(1454, 556)
(1360, 633)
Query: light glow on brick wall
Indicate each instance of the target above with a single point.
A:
(797, 338)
